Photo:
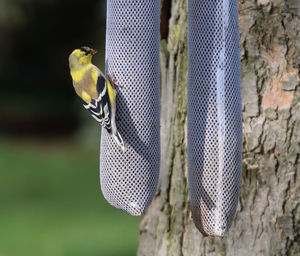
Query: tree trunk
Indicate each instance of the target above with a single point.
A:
(268, 217)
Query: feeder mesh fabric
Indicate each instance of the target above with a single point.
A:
(214, 114)
(129, 180)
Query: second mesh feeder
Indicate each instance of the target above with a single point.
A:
(129, 179)
(214, 114)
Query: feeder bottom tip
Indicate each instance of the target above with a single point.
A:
(212, 234)
(134, 209)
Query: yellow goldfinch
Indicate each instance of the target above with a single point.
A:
(96, 91)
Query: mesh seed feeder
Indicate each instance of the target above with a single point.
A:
(129, 180)
(214, 114)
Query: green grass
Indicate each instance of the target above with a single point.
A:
(51, 204)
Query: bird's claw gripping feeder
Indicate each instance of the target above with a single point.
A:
(129, 179)
(214, 114)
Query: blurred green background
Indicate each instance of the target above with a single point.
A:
(50, 199)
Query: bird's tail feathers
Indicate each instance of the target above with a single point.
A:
(119, 140)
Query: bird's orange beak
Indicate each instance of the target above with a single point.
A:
(93, 52)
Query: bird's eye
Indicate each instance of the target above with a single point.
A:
(86, 52)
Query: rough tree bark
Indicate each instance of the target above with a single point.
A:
(268, 217)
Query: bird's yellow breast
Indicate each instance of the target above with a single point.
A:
(85, 82)
(77, 75)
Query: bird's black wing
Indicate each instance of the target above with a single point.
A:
(100, 109)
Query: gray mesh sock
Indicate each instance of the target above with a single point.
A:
(129, 180)
(214, 113)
